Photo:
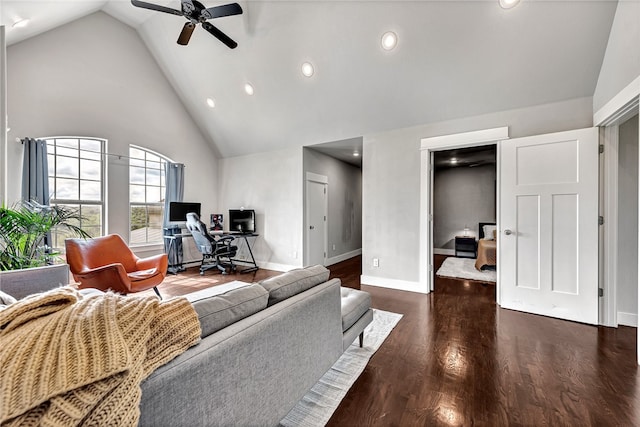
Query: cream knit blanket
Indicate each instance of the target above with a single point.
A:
(67, 360)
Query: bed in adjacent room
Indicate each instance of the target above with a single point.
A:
(487, 245)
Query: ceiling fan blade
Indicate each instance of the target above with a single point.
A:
(185, 34)
(219, 35)
(220, 11)
(156, 7)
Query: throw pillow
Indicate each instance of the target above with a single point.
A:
(6, 299)
(293, 282)
(219, 311)
(488, 232)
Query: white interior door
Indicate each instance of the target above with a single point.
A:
(316, 222)
(549, 225)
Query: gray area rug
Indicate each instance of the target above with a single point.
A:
(317, 406)
(464, 268)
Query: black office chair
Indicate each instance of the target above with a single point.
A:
(216, 253)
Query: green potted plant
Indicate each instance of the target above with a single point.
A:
(26, 262)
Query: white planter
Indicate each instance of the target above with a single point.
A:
(20, 283)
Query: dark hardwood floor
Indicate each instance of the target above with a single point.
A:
(457, 359)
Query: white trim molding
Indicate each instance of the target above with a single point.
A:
(401, 285)
(608, 316)
(342, 257)
(620, 107)
(627, 319)
(439, 143)
(275, 266)
(317, 178)
(465, 139)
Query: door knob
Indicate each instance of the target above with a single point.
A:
(507, 232)
(311, 227)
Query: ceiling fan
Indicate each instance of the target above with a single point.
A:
(196, 13)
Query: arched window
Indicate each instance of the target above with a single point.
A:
(146, 195)
(76, 180)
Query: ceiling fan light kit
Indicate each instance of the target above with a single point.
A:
(197, 13)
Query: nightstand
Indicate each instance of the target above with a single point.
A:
(465, 247)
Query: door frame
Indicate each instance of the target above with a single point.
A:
(321, 179)
(624, 105)
(440, 143)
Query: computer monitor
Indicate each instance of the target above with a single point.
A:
(178, 211)
(242, 221)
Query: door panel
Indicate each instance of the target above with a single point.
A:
(549, 225)
(316, 210)
(564, 248)
(527, 241)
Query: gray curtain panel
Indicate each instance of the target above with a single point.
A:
(35, 171)
(174, 192)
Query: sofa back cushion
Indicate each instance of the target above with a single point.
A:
(293, 282)
(219, 311)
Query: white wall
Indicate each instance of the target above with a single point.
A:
(462, 196)
(391, 182)
(627, 272)
(621, 64)
(344, 221)
(95, 77)
(271, 184)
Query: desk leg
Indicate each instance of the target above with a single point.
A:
(253, 260)
(174, 267)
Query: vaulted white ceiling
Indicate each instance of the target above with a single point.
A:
(453, 59)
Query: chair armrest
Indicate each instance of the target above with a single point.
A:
(160, 261)
(111, 276)
(225, 239)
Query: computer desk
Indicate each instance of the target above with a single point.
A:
(252, 265)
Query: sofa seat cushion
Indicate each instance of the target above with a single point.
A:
(355, 303)
(219, 310)
(293, 282)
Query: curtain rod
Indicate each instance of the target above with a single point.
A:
(119, 156)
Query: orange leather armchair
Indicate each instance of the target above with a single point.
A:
(107, 263)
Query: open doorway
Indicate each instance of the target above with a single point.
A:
(464, 215)
(332, 201)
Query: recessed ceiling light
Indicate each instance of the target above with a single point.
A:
(356, 153)
(211, 103)
(20, 23)
(389, 40)
(248, 88)
(307, 69)
(508, 4)
(454, 160)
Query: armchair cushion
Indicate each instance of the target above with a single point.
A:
(143, 274)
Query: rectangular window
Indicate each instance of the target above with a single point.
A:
(76, 180)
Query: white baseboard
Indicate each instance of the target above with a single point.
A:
(627, 319)
(275, 266)
(439, 251)
(402, 285)
(343, 257)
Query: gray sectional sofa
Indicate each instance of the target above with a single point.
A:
(263, 346)
(253, 371)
